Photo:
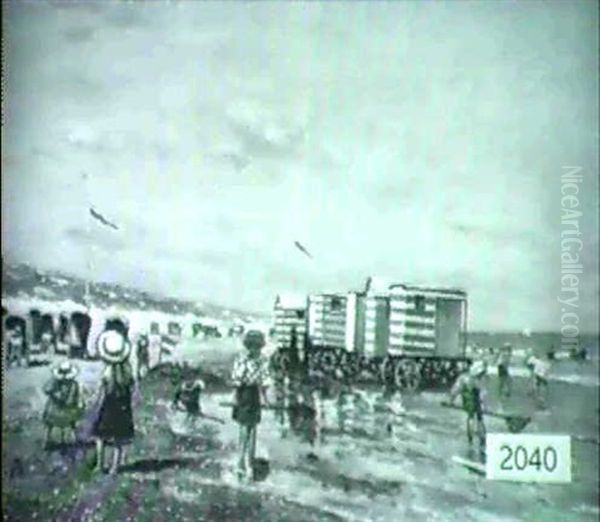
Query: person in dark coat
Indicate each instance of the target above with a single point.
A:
(143, 356)
(249, 376)
(114, 424)
(64, 407)
(504, 379)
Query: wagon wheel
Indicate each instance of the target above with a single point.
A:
(448, 373)
(347, 364)
(314, 361)
(372, 367)
(407, 375)
(328, 362)
(369, 366)
(387, 369)
(357, 364)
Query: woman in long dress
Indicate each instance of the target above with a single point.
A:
(249, 376)
(114, 425)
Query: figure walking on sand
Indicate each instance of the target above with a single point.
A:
(504, 379)
(64, 407)
(539, 370)
(114, 425)
(469, 386)
(250, 375)
(143, 356)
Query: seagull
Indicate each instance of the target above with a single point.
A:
(302, 249)
(102, 219)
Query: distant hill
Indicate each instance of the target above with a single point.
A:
(23, 280)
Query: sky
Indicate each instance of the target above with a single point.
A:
(419, 141)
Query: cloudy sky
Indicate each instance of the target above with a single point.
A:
(419, 141)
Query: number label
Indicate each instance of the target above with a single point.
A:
(528, 457)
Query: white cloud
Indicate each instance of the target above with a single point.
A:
(420, 141)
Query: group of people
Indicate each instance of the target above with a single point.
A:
(111, 419)
(470, 386)
(109, 416)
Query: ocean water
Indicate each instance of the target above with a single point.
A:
(366, 472)
(576, 372)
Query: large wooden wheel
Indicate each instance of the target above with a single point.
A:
(386, 372)
(407, 375)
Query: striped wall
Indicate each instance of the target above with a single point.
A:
(402, 319)
(413, 314)
(328, 319)
(376, 324)
(351, 319)
(286, 319)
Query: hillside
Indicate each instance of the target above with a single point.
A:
(23, 280)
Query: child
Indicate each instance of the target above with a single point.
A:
(469, 386)
(115, 420)
(539, 370)
(187, 398)
(46, 342)
(304, 416)
(504, 381)
(249, 376)
(64, 406)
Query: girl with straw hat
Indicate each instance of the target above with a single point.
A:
(114, 424)
(63, 408)
(249, 376)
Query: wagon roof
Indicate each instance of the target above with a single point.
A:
(379, 284)
(291, 301)
(432, 289)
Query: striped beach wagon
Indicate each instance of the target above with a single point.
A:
(405, 333)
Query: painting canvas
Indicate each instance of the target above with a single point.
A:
(300, 261)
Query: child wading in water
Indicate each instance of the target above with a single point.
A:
(64, 406)
(250, 374)
(114, 424)
(187, 398)
(539, 370)
(469, 386)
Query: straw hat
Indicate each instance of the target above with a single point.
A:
(254, 339)
(477, 368)
(65, 371)
(189, 385)
(113, 347)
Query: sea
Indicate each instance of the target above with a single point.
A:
(373, 466)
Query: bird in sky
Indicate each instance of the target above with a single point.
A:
(99, 217)
(302, 249)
